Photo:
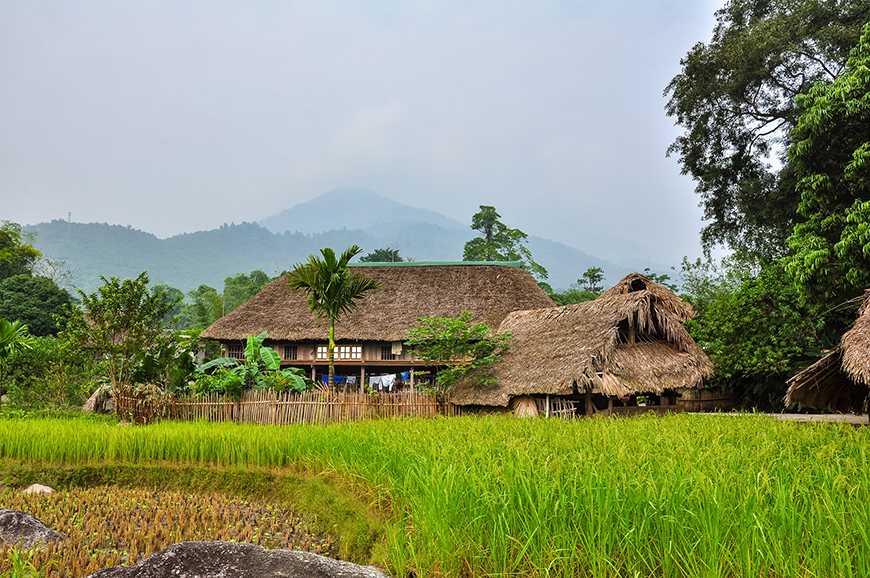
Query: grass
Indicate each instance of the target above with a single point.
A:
(683, 495)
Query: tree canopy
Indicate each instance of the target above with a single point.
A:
(34, 301)
(458, 343)
(735, 98)
(386, 255)
(498, 242)
(240, 288)
(121, 322)
(17, 255)
(831, 159)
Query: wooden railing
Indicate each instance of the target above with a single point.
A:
(274, 408)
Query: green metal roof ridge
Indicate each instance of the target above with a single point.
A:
(430, 263)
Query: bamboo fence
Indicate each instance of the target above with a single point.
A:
(276, 408)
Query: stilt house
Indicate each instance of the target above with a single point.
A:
(369, 342)
(629, 340)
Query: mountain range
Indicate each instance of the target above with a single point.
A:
(336, 219)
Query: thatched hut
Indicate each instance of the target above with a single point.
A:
(370, 340)
(629, 340)
(838, 381)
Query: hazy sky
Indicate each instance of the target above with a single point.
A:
(181, 116)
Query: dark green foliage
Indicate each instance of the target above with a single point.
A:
(170, 294)
(499, 243)
(206, 307)
(387, 255)
(35, 301)
(240, 288)
(17, 255)
(170, 363)
(51, 372)
(755, 331)
(735, 98)
(831, 157)
(571, 296)
(459, 344)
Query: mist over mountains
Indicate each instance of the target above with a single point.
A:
(335, 219)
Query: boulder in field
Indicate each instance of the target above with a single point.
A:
(231, 560)
(37, 489)
(22, 529)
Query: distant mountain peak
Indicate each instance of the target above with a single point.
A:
(351, 208)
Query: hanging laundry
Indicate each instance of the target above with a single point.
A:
(338, 378)
(324, 378)
(375, 382)
(405, 375)
(351, 380)
(387, 381)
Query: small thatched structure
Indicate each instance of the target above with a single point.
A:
(840, 379)
(410, 291)
(629, 340)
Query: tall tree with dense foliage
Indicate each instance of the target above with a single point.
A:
(332, 290)
(735, 98)
(35, 302)
(754, 327)
(17, 255)
(592, 280)
(120, 322)
(831, 158)
(498, 242)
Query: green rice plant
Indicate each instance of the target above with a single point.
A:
(684, 495)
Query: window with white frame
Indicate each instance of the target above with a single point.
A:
(341, 352)
(349, 352)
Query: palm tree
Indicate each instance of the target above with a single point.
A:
(332, 290)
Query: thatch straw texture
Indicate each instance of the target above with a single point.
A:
(839, 380)
(490, 292)
(588, 345)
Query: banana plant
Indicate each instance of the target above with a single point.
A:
(259, 361)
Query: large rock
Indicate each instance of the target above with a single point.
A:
(22, 529)
(37, 489)
(231, 560)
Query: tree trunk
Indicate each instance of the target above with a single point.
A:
(331, 353)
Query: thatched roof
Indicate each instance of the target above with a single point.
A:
(587, 344)
(410, 291)
(840, 379)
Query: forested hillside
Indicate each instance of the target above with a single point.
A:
(208, 257)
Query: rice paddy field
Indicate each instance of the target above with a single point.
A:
(107, 526)
(683, 495)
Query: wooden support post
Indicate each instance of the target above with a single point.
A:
(362, 379)
(588, 401)
(547, 409)
(609, 405)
